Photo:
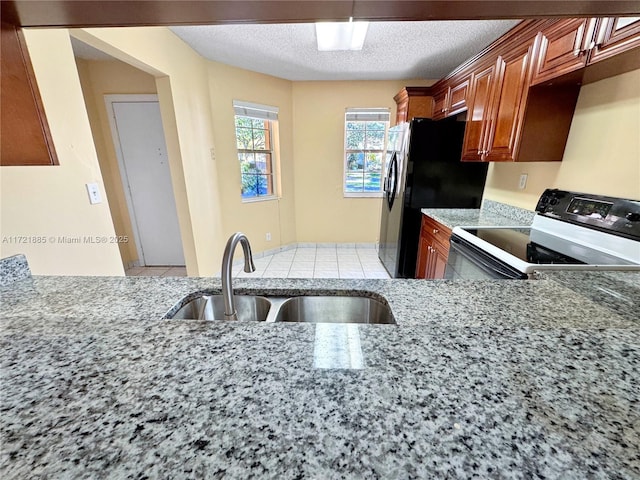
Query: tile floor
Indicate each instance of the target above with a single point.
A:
(301, 262)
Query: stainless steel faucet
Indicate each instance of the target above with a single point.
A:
(227, 288)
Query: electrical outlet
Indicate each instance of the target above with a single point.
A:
(523, 181)
(268, 236)
(94, 193)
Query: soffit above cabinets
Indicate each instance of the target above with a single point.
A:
(87, 13)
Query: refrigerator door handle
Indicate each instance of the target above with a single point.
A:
(392, 183)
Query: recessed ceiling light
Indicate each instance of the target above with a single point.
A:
(334, 36)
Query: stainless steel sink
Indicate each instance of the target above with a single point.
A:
(307, 309)
(334, 309)
(211, 307)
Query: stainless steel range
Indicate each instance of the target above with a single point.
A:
(571, 231)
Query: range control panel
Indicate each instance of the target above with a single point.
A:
(618, 216)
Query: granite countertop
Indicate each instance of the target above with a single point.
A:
(492, 214)
(486, 379)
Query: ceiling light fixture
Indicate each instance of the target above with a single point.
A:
(335, 36)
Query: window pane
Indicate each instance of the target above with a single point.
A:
(376, 125)
(354, 182)
(355, 161)
(246, 159)
(355, 139)
(259, 142)
(243, 122)
(243, 139)
(258, 123)
(355, 125)
(372, 182)
(373, 162)
(375, 140)
(263, 162)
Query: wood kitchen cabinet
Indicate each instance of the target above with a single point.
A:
(497, 116)
(24, 130)
(440, 104)
(508, 120)
(615, 36)
(433, 249)
(568, 46)
(452, 100)
(563, 48)
(478, 115)
(412, 102)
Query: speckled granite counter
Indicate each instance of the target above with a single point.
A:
(491, 214)
(491, 379)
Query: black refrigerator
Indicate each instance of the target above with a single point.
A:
(423, 171)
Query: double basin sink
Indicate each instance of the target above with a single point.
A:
(306, 309)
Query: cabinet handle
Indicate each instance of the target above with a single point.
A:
(435, 230)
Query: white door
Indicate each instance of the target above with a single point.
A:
(144, 167)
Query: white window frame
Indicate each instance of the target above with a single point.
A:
(266, 113)
(367, 114)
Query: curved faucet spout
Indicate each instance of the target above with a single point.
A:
(227, 258)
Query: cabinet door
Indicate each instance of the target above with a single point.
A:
(457, 98)
(440, 105)
(614, 36)
(423, 257)
(505, 123)
(563, 48)
(402, 111)
(24, 129)
(474, 145)
(439, 263)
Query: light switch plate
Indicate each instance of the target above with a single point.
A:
(94, 193)
(523, 181)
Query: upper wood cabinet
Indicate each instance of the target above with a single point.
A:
(412, 102)
(520, 92)
(615, 36)
(479, 114)
(563, 48)
(452, 99)
(440, 104)
(457, 98)
(509, 102)
(24, 132)
(508, 121)
(570, 46)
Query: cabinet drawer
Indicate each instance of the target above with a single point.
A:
(438, 232)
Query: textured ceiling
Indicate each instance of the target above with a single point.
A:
(392, 50)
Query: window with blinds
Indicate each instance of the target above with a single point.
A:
(255, 144)
(366, 131)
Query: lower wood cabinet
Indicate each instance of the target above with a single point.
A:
(433, 250)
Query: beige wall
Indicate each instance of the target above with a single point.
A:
(322, 212)
(183, 91)
(602, 154)
(255, 219)
(52, 202)
(99, 79)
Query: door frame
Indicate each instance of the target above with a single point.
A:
(109, 100)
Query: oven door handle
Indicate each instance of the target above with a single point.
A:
(477, 256)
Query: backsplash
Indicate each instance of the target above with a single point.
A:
(521, 215)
